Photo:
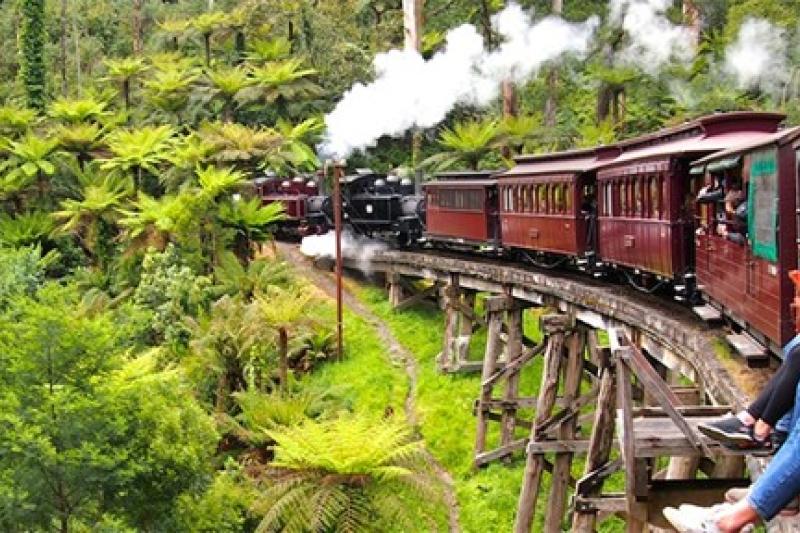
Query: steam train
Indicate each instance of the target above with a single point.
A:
(707, 210)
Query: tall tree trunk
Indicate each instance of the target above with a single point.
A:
(126, 92)
(76, 37)
(412, 31)
(136, 24)
(693, 19)
(510, 110)
(241, 46)
(557, 8)
(63, 47)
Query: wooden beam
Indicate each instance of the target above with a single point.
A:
(534, 464)
(501, 452)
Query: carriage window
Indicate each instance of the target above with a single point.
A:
(542, 198)
(762, 212)
(535, 198)
(526, 198)
(561, 200)
(638, 197)
(568, 191)
(623, 198)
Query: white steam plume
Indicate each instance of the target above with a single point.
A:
(354, 247)
(758, 57)
(653, 39)
(409, 91)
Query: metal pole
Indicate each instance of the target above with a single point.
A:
(338, 173)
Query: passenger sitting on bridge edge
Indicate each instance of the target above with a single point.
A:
(763, 501)
(763, 426)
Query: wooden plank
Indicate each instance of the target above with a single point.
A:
(606, 503)
(520, 423)
(514, 403)
(534, 464)
(660, 392)
(707, 313)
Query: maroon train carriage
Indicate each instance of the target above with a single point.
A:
(547, 207)
(461, 210)
(746, 240)
(646, 197)
(302, 203)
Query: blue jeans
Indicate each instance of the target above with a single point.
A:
(780, 482)
(785, 423)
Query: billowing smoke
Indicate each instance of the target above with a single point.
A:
(758, 57)
(653, 39)
(356, 248)
(410, 91)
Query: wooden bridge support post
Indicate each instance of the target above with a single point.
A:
(513, 352)
(553, 326)
(562, 465)
(504, 337)
(460, 323)
(600, 443)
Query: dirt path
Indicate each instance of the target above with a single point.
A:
(397, 354)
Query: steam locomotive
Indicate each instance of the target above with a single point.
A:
(656, 210)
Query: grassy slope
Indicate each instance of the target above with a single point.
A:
(370, 384)
(488, 497)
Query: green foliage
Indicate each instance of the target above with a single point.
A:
(466, 144)
(265, 50)
(72, 111)
(346, 474)
(15, 120)
(88, 432)
(21, 273)
(251, 223)
(172, 292)
(141, 148)
(232, 278)
(23, 229)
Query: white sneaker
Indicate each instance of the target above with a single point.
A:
(693, 519)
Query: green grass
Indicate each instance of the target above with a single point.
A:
(487, 497)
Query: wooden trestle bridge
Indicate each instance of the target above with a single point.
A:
(620, 404)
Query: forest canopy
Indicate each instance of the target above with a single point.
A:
(161, 368)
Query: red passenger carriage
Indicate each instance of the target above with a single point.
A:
(547, 206)
(301, 202)
(645, 195)
(744, 252)
(461, 209)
